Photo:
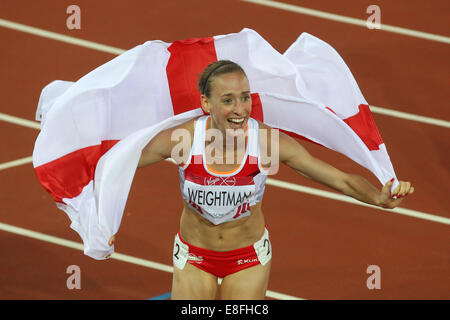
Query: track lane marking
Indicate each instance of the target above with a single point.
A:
(344, 198)
(59, 37)
(19, 121)
(117, 51)
(15, 163)
(117, 256)
(349, 20)
(410, 116)
(304, 189)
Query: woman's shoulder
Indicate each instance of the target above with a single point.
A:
(183, 131)
(262, 125)
(171, 136)
(269, 135)
(266, 130)
(188, 125)
(269, 130)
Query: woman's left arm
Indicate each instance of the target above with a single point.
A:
(298, 158)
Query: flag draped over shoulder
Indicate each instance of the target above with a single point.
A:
(93, 130)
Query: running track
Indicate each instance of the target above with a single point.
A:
(322, 247)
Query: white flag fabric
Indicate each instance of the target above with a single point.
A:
(93, 130)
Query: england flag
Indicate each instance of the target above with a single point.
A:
(93, 130)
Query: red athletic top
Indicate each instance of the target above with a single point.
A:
(222, 196)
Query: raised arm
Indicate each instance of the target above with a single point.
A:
(176, 139)
(298, 158)
(159, 148)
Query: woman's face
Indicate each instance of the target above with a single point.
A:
(230, 103)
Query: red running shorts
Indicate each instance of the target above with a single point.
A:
(222, 263)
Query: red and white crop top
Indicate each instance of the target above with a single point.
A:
(222, 196)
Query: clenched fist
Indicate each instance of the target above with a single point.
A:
(391, 200)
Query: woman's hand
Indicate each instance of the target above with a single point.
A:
(390, 201)
(111, 241)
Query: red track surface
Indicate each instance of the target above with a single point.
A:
(321, 247)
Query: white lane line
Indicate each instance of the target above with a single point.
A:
(410, 116)
(374, 109)
(277, 183)
(344, 198)
(117, 256)
(349, 20)
(300, 188)
(20, 121)
(268, 3)
(15, 163)
(117, 51)
(59, 37)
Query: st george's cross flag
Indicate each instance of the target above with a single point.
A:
(93, 130)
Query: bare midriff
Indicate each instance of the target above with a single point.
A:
(198, 231)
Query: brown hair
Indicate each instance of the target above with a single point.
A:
(214, 69)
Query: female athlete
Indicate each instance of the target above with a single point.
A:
(223, 170)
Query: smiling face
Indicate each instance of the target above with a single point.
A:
(230, 102)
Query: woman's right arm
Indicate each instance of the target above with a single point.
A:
(177, 139)
(159, 148)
